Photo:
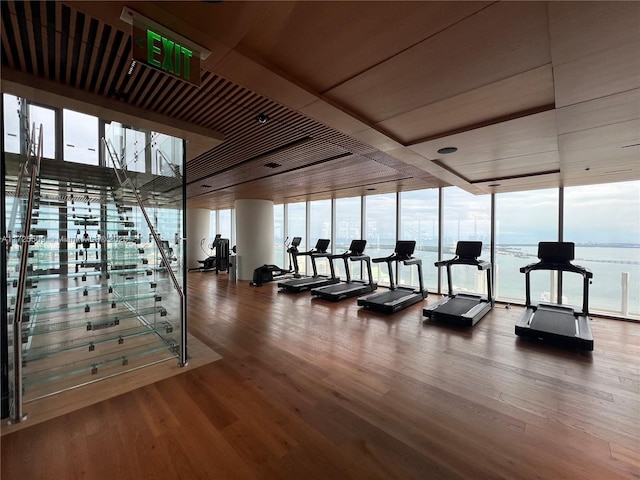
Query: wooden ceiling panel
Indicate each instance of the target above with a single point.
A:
(609, 110)
(619, 134)
(487, 47)
(520, 166)
(340, 175)
(518, 94)
(521, 137)
(608, 159)
(306, 39)
(299, 156)
(580, 29)
(518, 184)
(598, 75)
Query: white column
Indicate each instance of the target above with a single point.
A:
(197, 230)
(254, 236)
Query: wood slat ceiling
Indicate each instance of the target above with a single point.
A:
(533, 94)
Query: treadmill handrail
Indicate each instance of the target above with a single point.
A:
(412, 261)
(481, 264)
(560, 266)
(587, 275)
(394, 257)
(469, 260)
(326, 255)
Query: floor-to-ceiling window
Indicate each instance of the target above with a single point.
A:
(320, 227)
(213, 225)
(380, 231)
(80, 137)
(297, 227)
(419, 222)
(44, 117)
(348, 227)
(604, 223)
(522, 220)
(466, 217)
(225, 227)
(279, 249)
(12, 134)
(611, 249)
(222, 222)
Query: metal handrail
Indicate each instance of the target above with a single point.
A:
(174, 168)
(34, 166)
(119, 168)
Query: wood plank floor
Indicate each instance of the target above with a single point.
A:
(315, 390)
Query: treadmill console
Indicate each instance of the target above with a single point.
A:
(405, 248)
(296, 242)
(556, 252)
(357, 247)
(469, 249)
(322, 245)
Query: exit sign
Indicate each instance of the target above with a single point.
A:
(166, 52)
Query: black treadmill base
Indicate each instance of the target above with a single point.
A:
(558, 328)
(462, 310)
(461, 321)
(391, 308)
(556, 340)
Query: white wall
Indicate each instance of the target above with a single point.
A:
(197, 229)
(254, 236)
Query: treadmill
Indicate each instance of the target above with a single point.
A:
(555, 321)
(349, 288)
(307, 283)
(463, 308)
(398, 296)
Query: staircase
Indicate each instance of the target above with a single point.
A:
(101, 276)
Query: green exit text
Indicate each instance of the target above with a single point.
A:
(167, 55)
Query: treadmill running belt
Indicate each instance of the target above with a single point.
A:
(559, 323)
(456, 306)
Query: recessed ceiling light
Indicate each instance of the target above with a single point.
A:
(370, 189)
(205, 186)
(262, 118)
(446, 150)
(494, 185)
(272, 165)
